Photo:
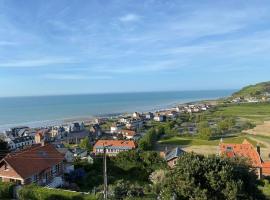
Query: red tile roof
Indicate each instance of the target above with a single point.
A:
(34, 160)
(128, 132)
(266, 168)
(116, 143)
(245, 149)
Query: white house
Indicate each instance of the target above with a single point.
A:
(20, 142)
(117, 127)
(159, 118)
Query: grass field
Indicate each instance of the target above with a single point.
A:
(255, 112)
(188, 141)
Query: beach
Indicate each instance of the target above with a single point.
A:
(55, 110)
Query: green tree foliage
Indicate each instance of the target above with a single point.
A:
(140, 164)
(6, 190)
(149, 139)
(205, 132)
(158, 178)
(85, 144)
(225, 125)
(32, 192)
(121, 189)
(211, 178)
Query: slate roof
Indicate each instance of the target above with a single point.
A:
(23, 139)
(175, 153)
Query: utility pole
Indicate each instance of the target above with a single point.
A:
(105, 194)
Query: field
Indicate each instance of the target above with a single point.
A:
(189, 141)
(207, 147)
(261, 129)
(255, 112)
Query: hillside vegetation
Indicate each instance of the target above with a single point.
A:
(254, 90)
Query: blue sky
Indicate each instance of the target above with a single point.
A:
(97, 46)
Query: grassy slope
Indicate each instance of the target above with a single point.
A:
(253, 90)
(195, 141)
(254, 112)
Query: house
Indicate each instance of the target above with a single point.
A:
(136, 115)
(135, 124)
(69, 159)
(95, 130)
(42, 135)
(113, 147)
(76, 137)
(172, 156)
(57, 132)
(20, 142)
(74, 127)
(247, 150)
(149, 115)
(101, 120)
(79, 153)
(69, 156)
(159, 118)
(116, 127)
(171, 114)
(128, 134)
(19, 131)
(38, 164)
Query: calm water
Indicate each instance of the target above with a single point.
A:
(34, 111)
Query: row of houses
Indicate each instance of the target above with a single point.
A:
(45, 164)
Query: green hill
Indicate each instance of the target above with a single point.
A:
(256, 90)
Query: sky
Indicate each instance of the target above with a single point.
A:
(98, 46)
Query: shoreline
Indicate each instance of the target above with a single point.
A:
(90, 118)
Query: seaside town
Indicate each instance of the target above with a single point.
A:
(134, 100)
(59, 156)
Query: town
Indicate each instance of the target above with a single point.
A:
(56, 156)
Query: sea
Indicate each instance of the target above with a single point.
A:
(52, 110)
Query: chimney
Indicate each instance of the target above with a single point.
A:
(259, 149)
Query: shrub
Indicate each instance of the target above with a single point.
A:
(33, 192)
(6, 190)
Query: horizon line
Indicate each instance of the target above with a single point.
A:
(120, 92)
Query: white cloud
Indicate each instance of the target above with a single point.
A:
(129, 18)
(61, 76)
(164, 65)
(36, 62)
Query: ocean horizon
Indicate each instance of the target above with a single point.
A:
(35, 111)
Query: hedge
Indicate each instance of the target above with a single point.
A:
(6, 190)
(33, 192)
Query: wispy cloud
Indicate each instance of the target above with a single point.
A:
(165, 65)
(36, 62)
(130, 18)
(62, 76)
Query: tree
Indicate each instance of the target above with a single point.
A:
(211, 178)
(148, 141)
(122, 189)
(85, 144)
(225, 125)
(205, 132)
(158, 178)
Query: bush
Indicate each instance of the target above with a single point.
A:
(6, 190)
(33, 192)
(213, 178)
